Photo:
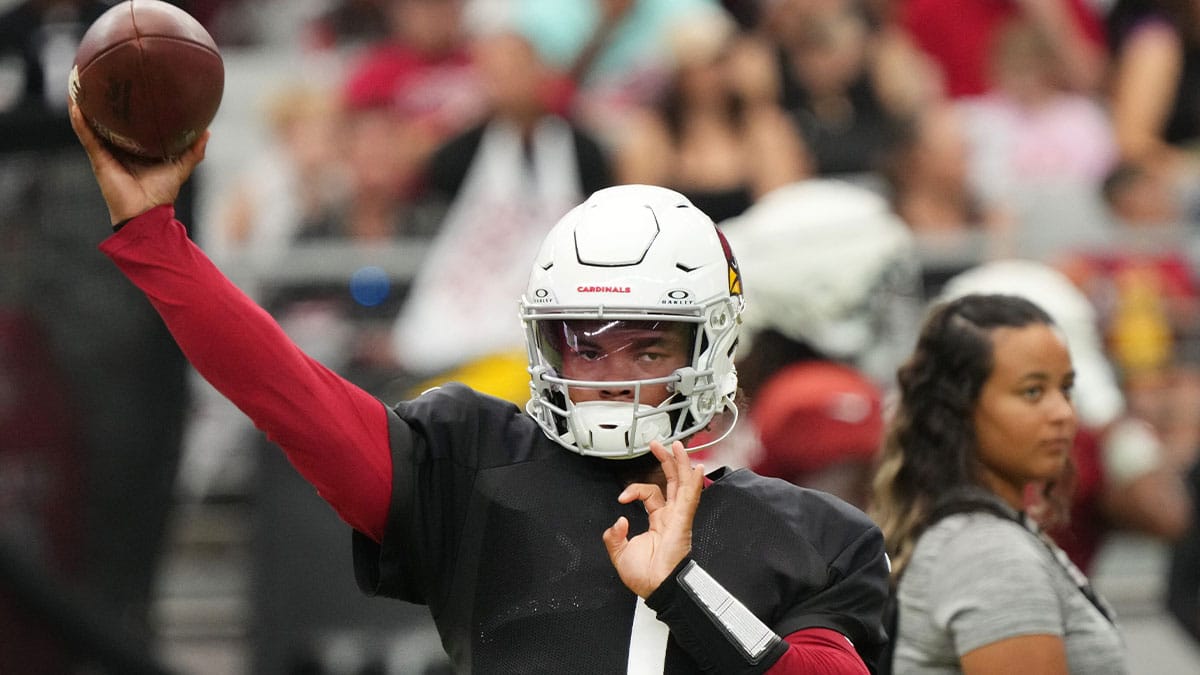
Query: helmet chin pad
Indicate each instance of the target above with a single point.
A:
(617, 429)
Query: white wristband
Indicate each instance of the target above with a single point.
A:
(744, 629)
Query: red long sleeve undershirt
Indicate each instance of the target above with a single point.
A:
(332, 431)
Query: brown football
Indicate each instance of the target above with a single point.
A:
(148, 78)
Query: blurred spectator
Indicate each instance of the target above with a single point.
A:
(1027, 129)
(423, 74)
(904, 77)
(349, 23)
(381, 172)
(817, 423)
(583, 65)
(926, 165)
(907, 77)
(560, 30)
(831, 68)
(290, 186)
(716, 136)
(506, 181)
(1155, 90)
(833, 268)
(1146, 215)
(616, 51)
(960, 34)
(1123, 478)
(1143, 284)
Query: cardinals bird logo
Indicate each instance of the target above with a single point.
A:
(735, 276)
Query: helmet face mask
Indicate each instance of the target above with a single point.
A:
(631, 318)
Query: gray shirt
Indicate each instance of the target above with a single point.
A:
(975, 579)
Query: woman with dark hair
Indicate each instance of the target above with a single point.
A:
(984, 416)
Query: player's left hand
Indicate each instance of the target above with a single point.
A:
(646, 560)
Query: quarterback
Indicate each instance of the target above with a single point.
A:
(576, 535)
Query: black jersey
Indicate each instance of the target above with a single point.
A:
(498, 529)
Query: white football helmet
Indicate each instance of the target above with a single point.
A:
(633, 257)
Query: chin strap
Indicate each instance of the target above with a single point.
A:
(715, 628)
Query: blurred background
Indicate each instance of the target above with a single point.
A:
(379, 174)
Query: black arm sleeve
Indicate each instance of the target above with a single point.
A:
(712, 625)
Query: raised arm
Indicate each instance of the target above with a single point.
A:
(332, 431)
(1145, 74)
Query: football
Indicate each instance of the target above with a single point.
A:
(148, 78)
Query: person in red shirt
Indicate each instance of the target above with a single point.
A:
(424, 76)
(959, 36)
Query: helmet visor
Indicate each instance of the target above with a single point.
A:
(616, 351)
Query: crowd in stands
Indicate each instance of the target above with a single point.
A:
(859, 154)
